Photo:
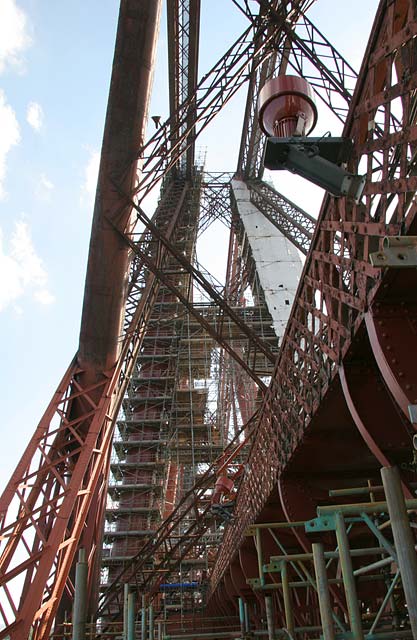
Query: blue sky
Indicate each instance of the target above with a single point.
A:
(55, 65)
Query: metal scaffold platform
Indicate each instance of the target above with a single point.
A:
(236, 459)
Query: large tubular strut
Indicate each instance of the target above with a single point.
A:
(348, 334)
(67, 459)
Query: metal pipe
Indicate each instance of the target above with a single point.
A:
(159, 630)
(301, 584)
(80, 597)
(348, 578)
(258, 539)
(150, 623)
(384, 602)
(364, 507)
(289, 616)
(125, 609)
(360, 491)
(403, 539)
(374, 565)
(323, 591)
(143, 618)
(131, 606)
(242, 616)
(214, 634)
(247, 625)
(370, 551)
(124, 134)
(269, 617)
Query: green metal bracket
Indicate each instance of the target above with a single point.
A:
(272, 567)
(321, 523)
(254, 583)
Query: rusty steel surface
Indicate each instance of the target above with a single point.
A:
(338, 404)
(183, 25)
(48, 501)
(339, 288)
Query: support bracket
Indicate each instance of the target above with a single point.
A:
(398, 251)
(321, 523)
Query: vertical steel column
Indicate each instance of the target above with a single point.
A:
(269, 617)
(131, 606)
(258, 539)
(159, 630)
(150, 630)
(125, 610)
(247, 629)
(403, 539)
(348, 578)
(80, 598)
(143, 620)
(242, 616)
(289, 616)
(323, 591)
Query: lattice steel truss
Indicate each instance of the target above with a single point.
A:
(189, 371)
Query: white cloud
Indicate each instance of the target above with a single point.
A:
(14, 36)
(44, 296)
(34, 115)
(90, 177)
(22, 270)
(44, 188)
(10, 135)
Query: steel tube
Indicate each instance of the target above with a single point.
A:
(365, 507)
(348, 578)
(323, 591)
(80, 597)
(289, 615)
(242, 616)
(258, 539)
(124, 134)
(150, 623)
(403, 539)
(370, 551)
(131, 615)
(301, 584)
(125, 610)
(247, 625)
(143, 618)
(269, 617)
(208, 636)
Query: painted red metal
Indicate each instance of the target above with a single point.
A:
(283, 101)
(337, 405)
(127, 111)
(317, 430)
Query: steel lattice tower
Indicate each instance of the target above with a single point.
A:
(212, 455)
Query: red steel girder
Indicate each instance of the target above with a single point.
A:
(201, 280)
(185, 300)
(60, 473)
(183, 24)
(188, 503)
(108, 261)
(212, 92)
(339, 284)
